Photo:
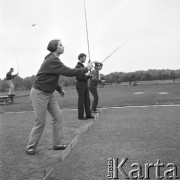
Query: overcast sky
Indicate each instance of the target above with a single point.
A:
(152, 28)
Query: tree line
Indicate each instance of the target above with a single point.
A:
(115, 77)
(152, 74)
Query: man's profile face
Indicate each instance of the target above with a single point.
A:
(83, 59)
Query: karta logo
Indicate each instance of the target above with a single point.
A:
(138, 171)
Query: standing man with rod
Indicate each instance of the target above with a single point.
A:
(82, 83)
(83, 90)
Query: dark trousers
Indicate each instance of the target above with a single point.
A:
(94, 92)
(83, 98)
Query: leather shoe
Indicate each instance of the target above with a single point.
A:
(82, 118)
(30, 151)
(60, 147)
(90, 117)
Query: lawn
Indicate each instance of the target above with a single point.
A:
(122, 95)
(142, 134)
(15, 128)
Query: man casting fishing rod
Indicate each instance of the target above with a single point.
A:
(95, 79)
(9, 78)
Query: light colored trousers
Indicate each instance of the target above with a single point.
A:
(11, 86)
(42, 102)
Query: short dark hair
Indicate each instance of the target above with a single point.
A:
(52, 46)
(81, 55)
(11, 69)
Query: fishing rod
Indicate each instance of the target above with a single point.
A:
(17, 61)
(18, 65)
(87, 32)
(88, 41)
(114, 51)
(15, 54)
(100, 64)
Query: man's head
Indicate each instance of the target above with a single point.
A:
(98, 66)
(56, 46)
(11, 69)
(82, 57)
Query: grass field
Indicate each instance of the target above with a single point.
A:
(111, 96)
(141, 134)
(15, 164)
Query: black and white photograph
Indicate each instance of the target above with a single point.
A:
(89, 89)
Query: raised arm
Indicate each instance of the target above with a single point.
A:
(57, 67)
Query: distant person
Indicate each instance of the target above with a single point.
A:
(93, 83)
(83, 91)
(43, 97)
(9, 78)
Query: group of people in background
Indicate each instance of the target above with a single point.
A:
(43, 98)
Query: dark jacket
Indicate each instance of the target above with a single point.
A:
(81, 77)
(48, 75)
(94, 79)
(9, 76)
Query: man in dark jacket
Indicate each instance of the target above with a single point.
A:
(83, 91)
